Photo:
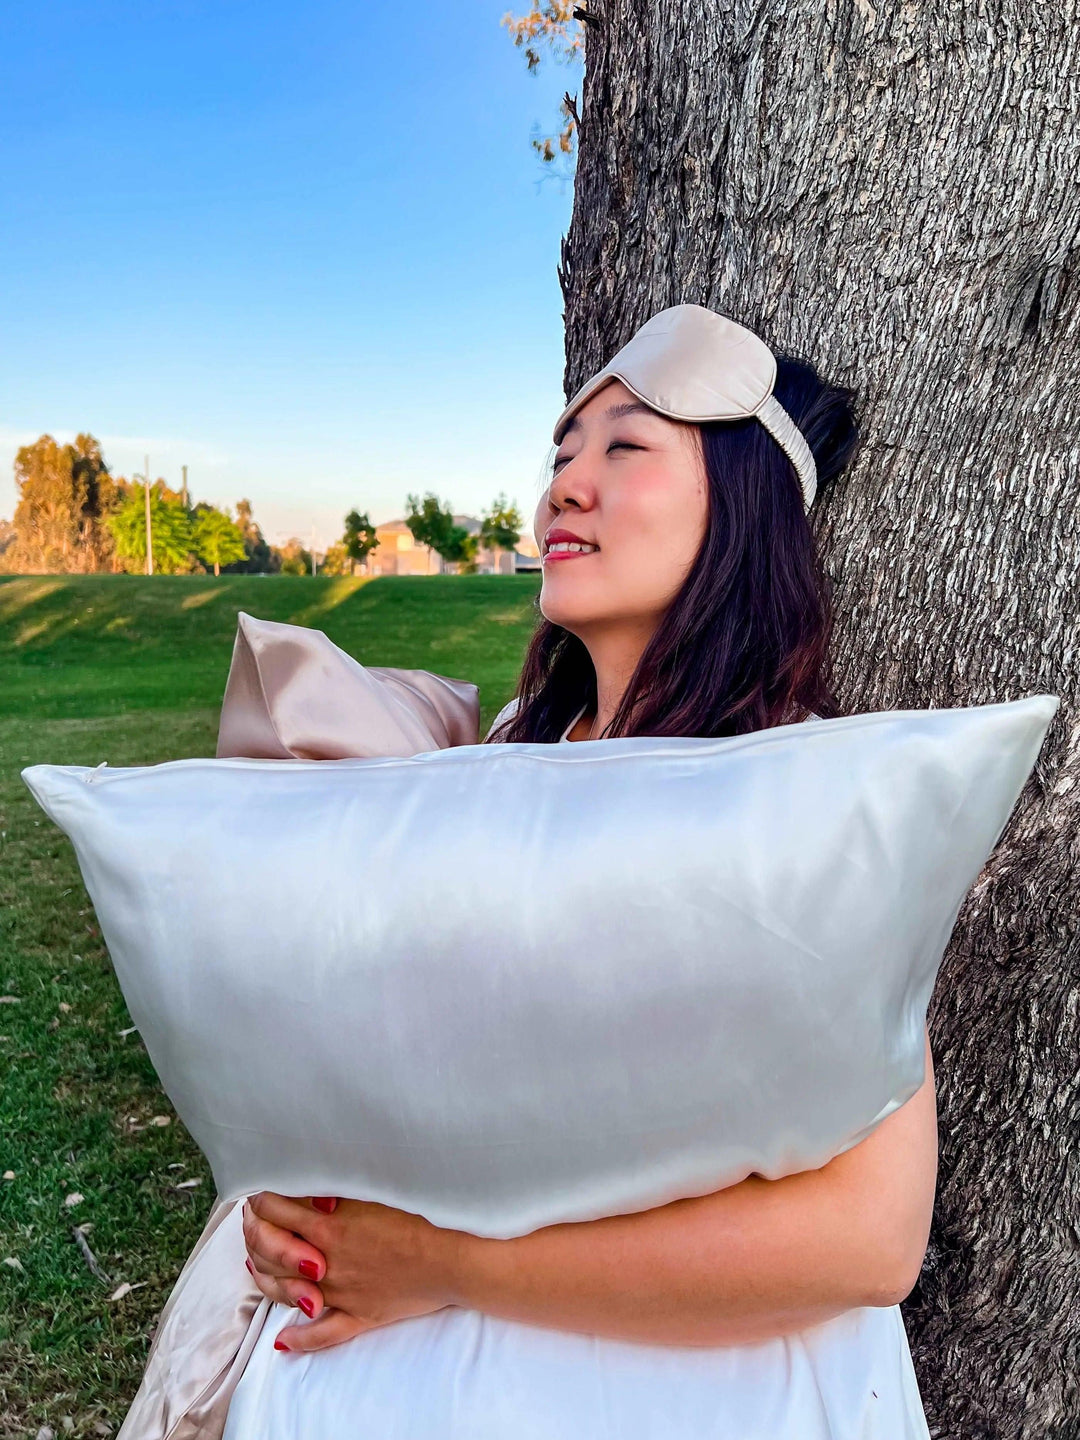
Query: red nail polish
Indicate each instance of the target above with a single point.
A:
(325, 1203)
(279, 1346)
(308, 1306)
(308, 1269)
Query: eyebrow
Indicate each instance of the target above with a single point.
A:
(613, 412)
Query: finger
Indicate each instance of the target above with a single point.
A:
(327, 1204)
(267, 1285)
(284, 1210)
(277, 1251)
(333, 1327)
(299, 1293)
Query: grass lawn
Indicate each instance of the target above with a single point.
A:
(131, 670)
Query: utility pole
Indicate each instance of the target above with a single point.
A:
(183, 487)
(149, 537)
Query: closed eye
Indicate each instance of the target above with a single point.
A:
(615, 445)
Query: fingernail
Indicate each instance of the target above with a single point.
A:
(308, 1269)
(250, 1266)
(279, 1346)
(325, 1203)
(308, 1306)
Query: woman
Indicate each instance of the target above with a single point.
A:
(681, 595)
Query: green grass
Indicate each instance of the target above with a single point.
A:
(132, 670)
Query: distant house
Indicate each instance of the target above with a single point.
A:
(397, 553)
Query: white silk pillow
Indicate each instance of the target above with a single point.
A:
(722, 966)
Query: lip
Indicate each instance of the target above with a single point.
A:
(557, 534)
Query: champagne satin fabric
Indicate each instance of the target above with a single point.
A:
(292, 694)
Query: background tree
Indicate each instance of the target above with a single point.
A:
(432, 524)
(359, 539)
(65, 497)
(258, 556)
(216, 538)
(336, 560)
(500, 527)
(892, 193)
(551, 28)
(293, 558)
(171, 531)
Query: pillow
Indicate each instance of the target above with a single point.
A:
(505, 986)
(292, 693)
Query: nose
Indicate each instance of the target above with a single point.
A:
(570, 487)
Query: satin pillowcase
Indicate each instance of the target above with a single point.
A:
(539, 983)
(292, 694)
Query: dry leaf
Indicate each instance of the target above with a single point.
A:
(64, 1006)
(9, 1000)
(126, 1289)
(73, 1199)
(9, 1174)
(161, 1120)
(15, 1264)
(129, 1031)
(188, 1184)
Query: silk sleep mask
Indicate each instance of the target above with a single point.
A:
(689, 363)
(539, 983)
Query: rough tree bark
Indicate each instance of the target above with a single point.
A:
(893, 194)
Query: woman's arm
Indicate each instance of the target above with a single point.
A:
(758, 1259)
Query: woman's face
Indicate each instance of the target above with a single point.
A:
(631, 483)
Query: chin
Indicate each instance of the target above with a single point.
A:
(571, 613)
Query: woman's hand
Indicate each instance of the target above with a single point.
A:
(351, 1265)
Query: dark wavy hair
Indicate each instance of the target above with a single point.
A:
(745, 642)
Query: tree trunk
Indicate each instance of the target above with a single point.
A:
(892, 193)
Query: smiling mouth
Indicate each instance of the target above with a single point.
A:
(568, 550)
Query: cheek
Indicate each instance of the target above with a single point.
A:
(662, 513)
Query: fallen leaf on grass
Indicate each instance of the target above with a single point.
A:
(15, 1263)
(187, 1184)
(9, 1174)
(161, 1120)
(10, 1000)
(129, 1031)
(73, 1199)
(126, 1289)
(64, 1006)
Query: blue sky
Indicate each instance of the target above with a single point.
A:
(308, 251)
